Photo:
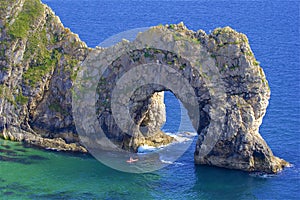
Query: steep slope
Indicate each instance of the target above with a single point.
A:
(38, 63)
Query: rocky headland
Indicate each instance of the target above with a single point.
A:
(39, 61)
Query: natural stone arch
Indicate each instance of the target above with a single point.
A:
(144, 95)
(235, 91)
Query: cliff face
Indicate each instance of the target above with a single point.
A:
(39, 63)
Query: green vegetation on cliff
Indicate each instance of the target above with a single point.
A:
(21, 99)
(25, 26)
(38, 61)
(32, 10)
(44, 59)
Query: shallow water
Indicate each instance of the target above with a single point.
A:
(39, 174)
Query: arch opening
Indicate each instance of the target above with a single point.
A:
(218, 84)
(145, 100)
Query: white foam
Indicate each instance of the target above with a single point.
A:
(166, 161)
(179, 138)
(147, 149)
(52, 149)
(178, 163)
(262, 175)
(171, 162)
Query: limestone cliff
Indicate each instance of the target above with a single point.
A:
(38, 62)
(38, 65)
(228, 93)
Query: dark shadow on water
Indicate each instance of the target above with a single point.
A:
(21, 150)
(5, 146)
(64, 195)
(217, 182)
(17, 156)
(74, 154)
(9, 193)
(8, 152)
(16, 160)
(63, 153)
(58, 195)
(14, 188)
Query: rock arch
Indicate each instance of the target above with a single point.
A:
(226, 93)
(143, 97)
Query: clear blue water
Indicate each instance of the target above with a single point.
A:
(273, 31)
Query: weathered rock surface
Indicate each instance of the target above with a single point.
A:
(230, 87)
(39, 61)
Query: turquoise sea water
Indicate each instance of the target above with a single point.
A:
(273, 32)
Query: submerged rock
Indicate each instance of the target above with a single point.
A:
(39, 63)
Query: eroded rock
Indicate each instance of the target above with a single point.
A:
(229, 86)
(38, 67)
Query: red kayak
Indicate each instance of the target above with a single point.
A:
(131, 160)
